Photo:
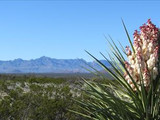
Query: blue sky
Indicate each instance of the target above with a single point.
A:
(64, 29)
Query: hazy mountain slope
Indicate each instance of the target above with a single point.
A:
(46, 65)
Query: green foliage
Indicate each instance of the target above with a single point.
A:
(44, 80)
(36, 98)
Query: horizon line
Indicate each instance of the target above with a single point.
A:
(46, 57)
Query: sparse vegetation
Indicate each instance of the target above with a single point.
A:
(38, 98)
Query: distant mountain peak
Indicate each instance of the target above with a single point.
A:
(44, 57)
(17, 60)
(46, 65)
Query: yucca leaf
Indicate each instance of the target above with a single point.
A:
(84, 115)
(116, 48)
(128, 36)
(122, 48)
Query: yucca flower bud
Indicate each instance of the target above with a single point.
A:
(144, 60)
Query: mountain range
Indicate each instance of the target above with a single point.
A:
(48, 65)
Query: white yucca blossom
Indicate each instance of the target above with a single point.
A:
(143, 61)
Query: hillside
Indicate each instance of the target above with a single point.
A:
(47, 65)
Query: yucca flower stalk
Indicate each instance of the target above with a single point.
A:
(144, 61)
(134, 94)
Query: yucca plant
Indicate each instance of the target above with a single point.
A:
(134, 94)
